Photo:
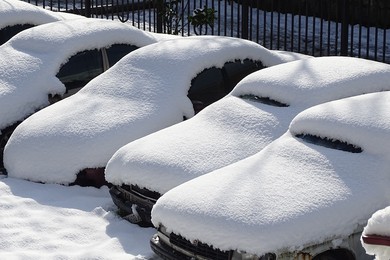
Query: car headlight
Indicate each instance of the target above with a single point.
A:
(163, 229)
(244, 256)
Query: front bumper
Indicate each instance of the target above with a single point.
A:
(376, 240)
(162, 247)
(132, 203)
(164, 251)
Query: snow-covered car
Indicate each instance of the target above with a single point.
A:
(307, 195)
(149, 89)
(376, 235)
(16, 16)
(45, 63)
(257, 111)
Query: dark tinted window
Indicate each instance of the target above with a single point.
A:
(10, 31)
(333, 144)
(234, 72)
(80, 69)
(212, 84)
(118, 51)
(264, 100)
(206, 88)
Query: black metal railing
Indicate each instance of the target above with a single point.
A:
(358, 28)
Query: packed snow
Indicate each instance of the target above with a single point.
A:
(45, 221)
(378, 224)
(293, 193)
(142, 93)
(238, 125)
(14, 12)
(30, 61)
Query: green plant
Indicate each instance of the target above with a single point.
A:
(202, 16)
(171, 15)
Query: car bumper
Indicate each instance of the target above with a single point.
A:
(128, 201)
(376, 240)
(164, 251)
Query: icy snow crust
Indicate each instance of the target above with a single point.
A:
(234, 128)
(31, 59)
(378, 224)
(18, 12)
(144, 92)
(292, 194)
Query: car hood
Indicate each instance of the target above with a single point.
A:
(290, 195)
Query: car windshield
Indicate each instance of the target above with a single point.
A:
(264, 100)
(330, 143)
(80, 69)
(118, 51)
(214, 83)
(8, 32)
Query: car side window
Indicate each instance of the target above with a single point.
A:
(8, 32)
(330, 143)
(235, 71)
(117, 51)
(213, 83)
(80, 69)
(206, 88)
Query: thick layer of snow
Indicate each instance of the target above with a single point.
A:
(378, 224)
(144, 92)
(32, 58)
(292, 194)
(43, 221)
(234, 128)
(18, 12)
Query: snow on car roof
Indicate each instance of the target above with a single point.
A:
(290, 195)
(236, 127)
(379, 225)
(312, 82)
(19, 12)
(30, 61)
(335, 123)
(144, 92)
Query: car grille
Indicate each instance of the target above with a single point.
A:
(199, 248)
(143, 192)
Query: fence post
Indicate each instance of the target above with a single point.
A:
(245, 19)
(87, 8)
(159, 11)
(344, 9)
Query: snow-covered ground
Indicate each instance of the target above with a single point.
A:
(44, 221)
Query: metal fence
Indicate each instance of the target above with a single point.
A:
(359, 28)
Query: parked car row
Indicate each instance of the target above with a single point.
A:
(256, 112)
(306, 194)
(151, 88)
(228, 149)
